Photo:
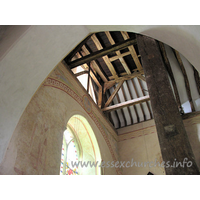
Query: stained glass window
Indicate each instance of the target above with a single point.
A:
(69, 154)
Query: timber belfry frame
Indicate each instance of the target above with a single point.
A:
(154, 69)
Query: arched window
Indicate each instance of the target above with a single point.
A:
(80, 153)
(70, 153)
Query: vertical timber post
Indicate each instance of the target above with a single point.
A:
(175, 147)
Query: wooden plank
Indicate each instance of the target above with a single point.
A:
(121, 59)
(173, 140)
(190, 115)
(81, 73)
(77, 48)
(105, 58)
(132, 50)
(129, 111)
(88, 81)
(93, 76)
(94, 65)
(100, 96)
(197, 79)
(119, 56)
(102, 52)
(95, 91)
(171, 75)
(127, 103)
(114, 93)
(124, 74)
(137, 95)
(187, 85)
(85, 65)
(90, 72)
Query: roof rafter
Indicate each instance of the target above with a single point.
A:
(170, 72)
(102, 52)
(90, 72)
(128, 71)
(119, 56)
(197, 79)
(133, 52)
(105, 58)
(187, 85)
(94, 65)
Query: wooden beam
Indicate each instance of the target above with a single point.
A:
(187, 85)
(101, 53)
(94, 65)
(114, 93)
(125, 98)
(127, 103)
(76, 49)
(134, 106)
(171, 75)
(128, 77)
(105, 58)
(137, 95)
(120, 75)
(88, 81)
(110, 84)
(115, 112)
(95, 91)
(132, 50)
(81, 73)
(173, 140)
(190, 115)
(119, 56)
(197, 79)
(90, 72)
(141, 77)
(100, 96)
(128, 71)
(93, 76)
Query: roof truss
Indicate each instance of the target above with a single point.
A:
(83, 55)
(113, 65)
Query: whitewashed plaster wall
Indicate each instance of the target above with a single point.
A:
(180, 83)
(36, 52)
(140, 143)
(26, 65)
(35, 146)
